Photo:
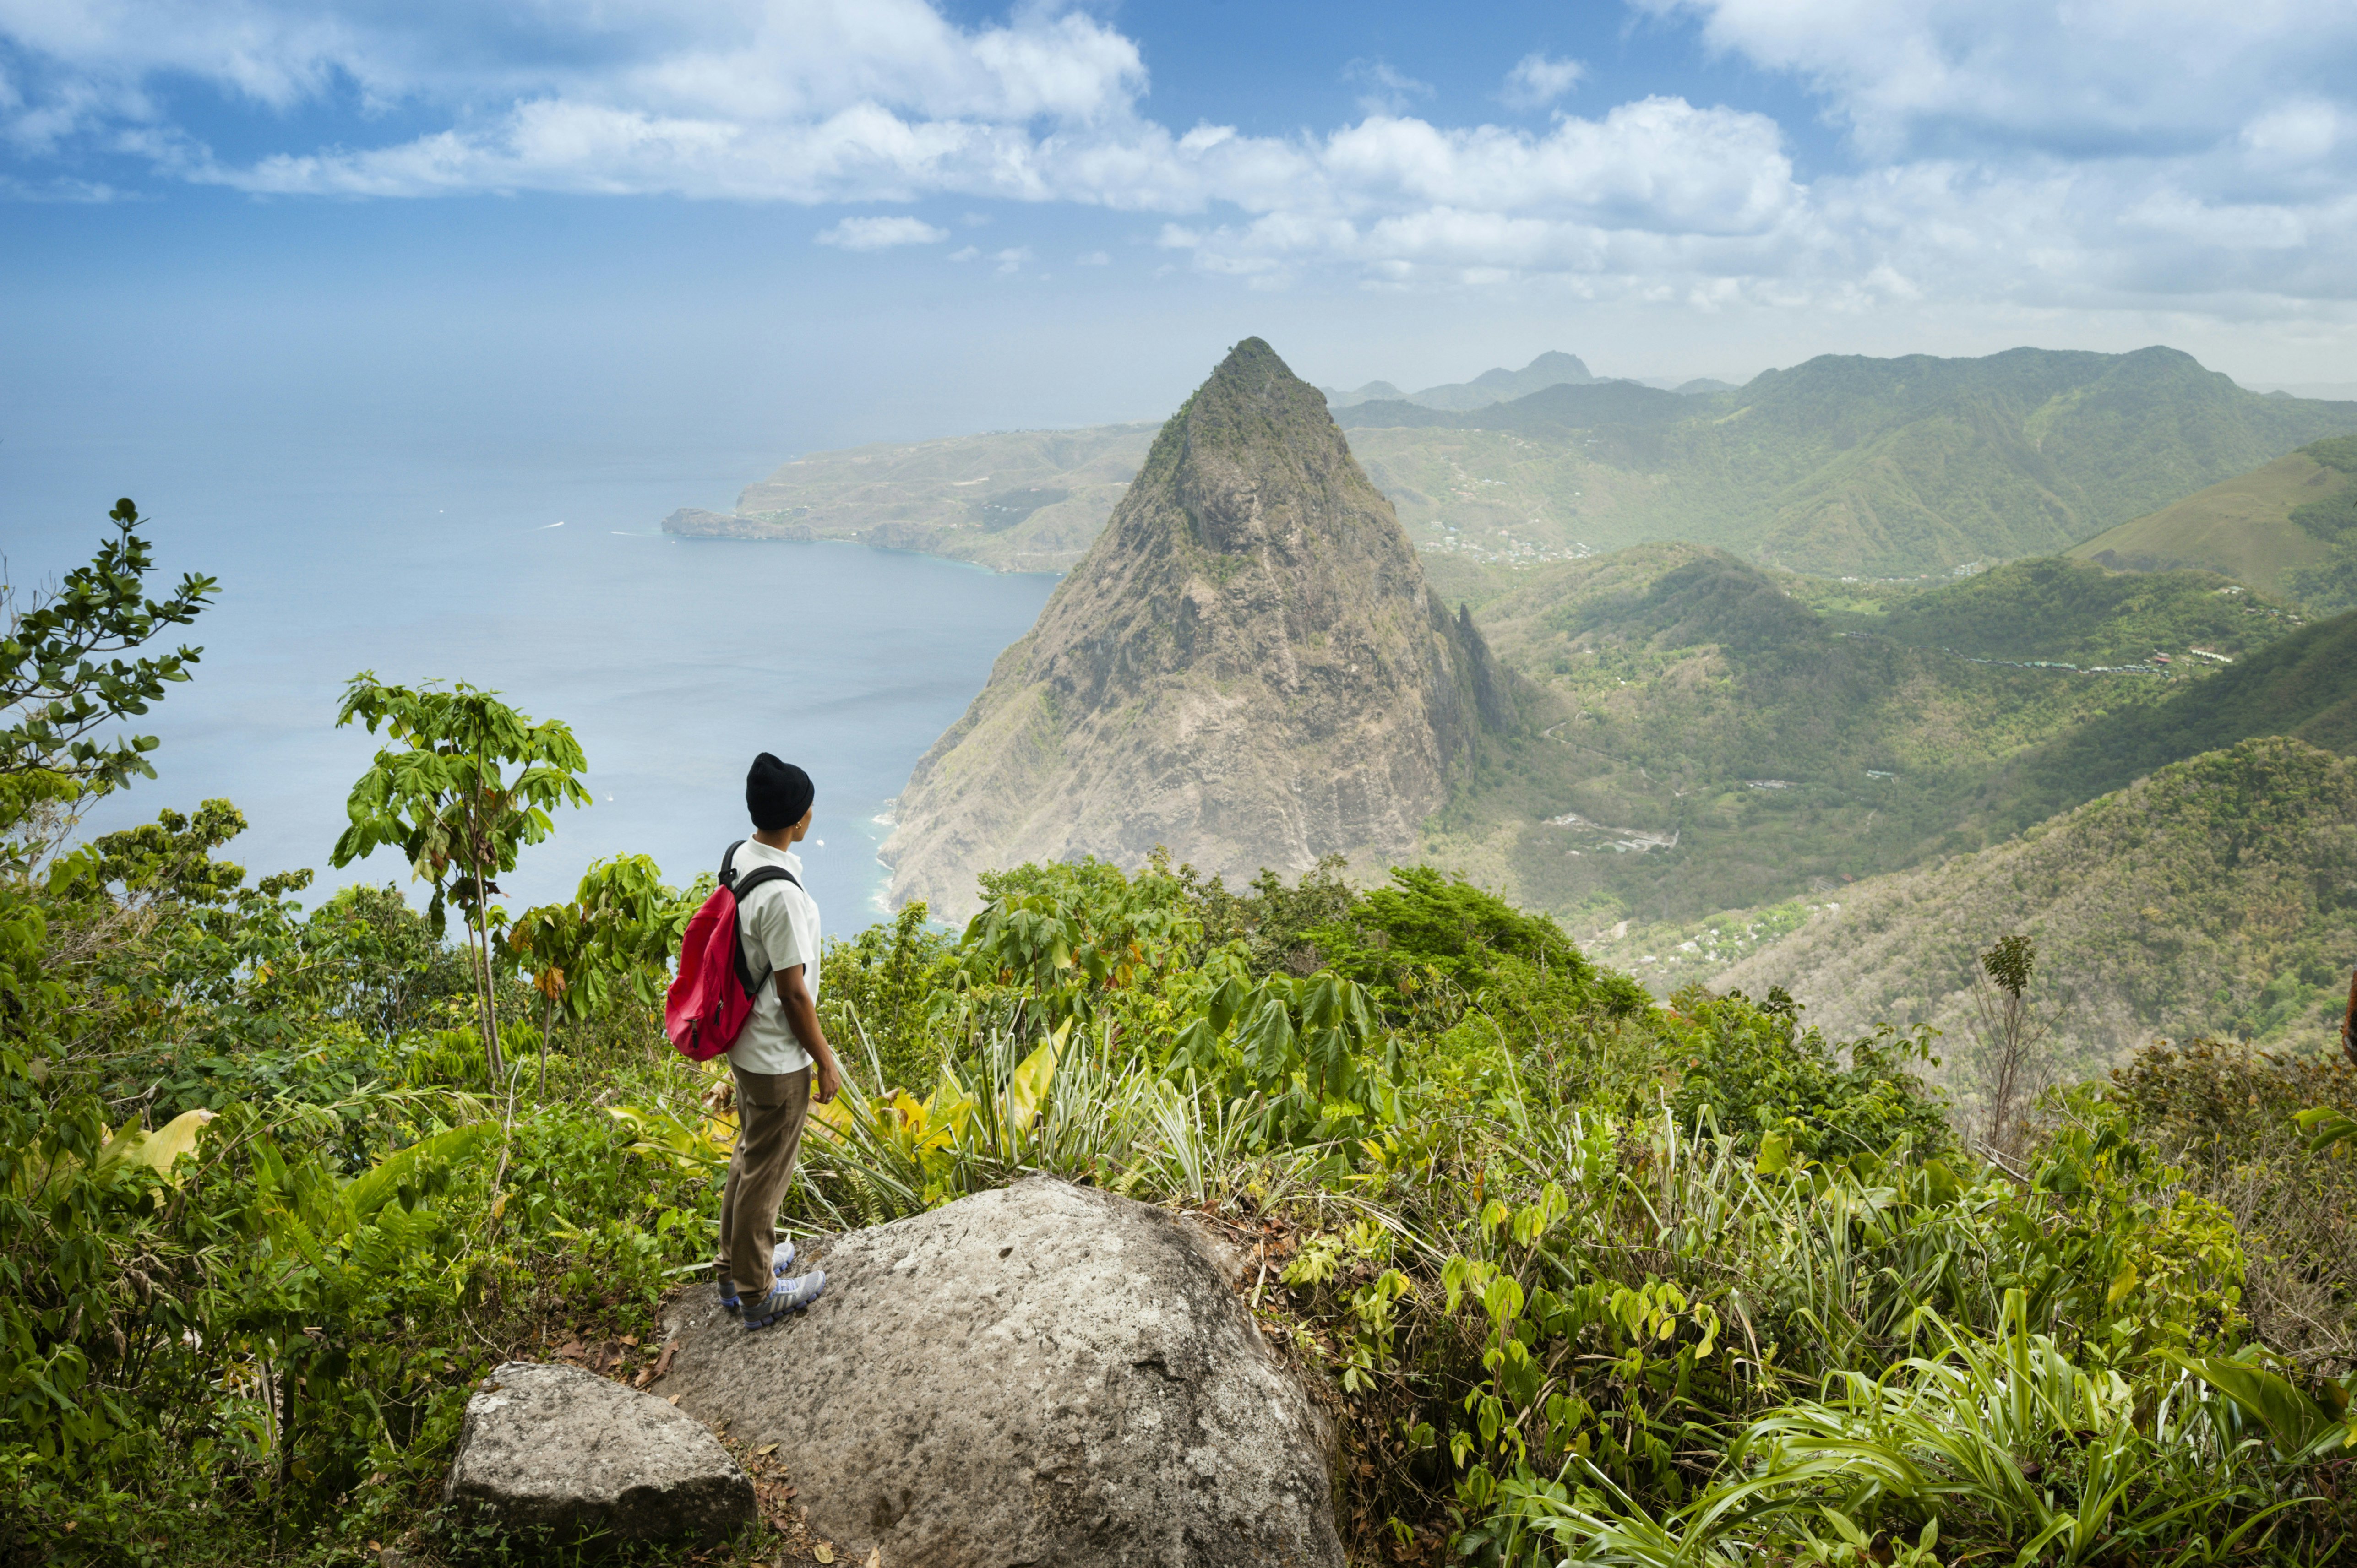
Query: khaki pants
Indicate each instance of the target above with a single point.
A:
(770, 1108)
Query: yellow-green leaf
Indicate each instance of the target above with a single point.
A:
(1031, 1081)
(159, 1150)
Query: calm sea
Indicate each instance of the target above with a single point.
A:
(542, 575)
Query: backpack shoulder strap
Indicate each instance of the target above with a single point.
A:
(753, 878)
(739, 888)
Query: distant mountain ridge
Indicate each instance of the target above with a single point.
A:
(1845, 463)
(1840, 465)
(1247, 669)
(1500, 385)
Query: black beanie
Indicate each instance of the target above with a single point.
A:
(776, 793)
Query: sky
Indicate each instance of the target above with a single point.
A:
(774, 226)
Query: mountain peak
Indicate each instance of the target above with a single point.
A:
(1247, 669)
(1552, 367)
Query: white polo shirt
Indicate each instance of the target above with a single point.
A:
(777, 924)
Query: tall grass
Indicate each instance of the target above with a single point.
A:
(1996, 1438)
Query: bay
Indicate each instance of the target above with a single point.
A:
(541, 573)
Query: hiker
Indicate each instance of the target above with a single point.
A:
(781, 1059)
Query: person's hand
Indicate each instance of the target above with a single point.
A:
(826, 1078)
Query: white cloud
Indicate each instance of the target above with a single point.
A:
(1093, 259)
(2297, 133)
(1388, 91)
(880, 233)
(1536, 81)
(2074, 79)
(742, 64)
(1005, 262)
(2142, 153)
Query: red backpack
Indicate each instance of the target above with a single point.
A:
(712, 993)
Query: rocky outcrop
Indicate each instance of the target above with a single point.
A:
(1247, 669)
(1043, 1375)
(556, 1456)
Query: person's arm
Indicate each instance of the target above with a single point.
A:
(800, 1009)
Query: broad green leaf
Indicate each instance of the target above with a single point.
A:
(2300, 1425)
(369, 1191)
(2327, 1129)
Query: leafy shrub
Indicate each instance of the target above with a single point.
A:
(877, 995)
(1753, 1070)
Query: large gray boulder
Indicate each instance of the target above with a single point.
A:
(559, 1455)
(1044, 1375)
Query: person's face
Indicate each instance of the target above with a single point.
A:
(804, 826)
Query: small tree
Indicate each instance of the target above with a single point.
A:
(448, 798)
(62, 677)
(616, 938)
(2010, 1030)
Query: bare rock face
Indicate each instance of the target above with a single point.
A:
(557, 1455)
(1044, 1375)
(1247, 669)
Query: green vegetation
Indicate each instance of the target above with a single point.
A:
(1842, 465)
(2303, 684)
(2330, 583)
(1721, 741)
(2061, 610)
(1887, 468)
(2217, 898)
(2277, 528)
(1582, 1275)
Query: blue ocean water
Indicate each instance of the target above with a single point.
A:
(543, 574)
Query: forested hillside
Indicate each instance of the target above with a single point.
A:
(2288, 526)
(2303, 684)
(2216, 897)
(1841, 465)
(1575, 1273)
(1728, 737)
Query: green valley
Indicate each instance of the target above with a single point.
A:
(2216, 897)
(1724, 738)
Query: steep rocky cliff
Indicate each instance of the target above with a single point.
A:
(1247, 668)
